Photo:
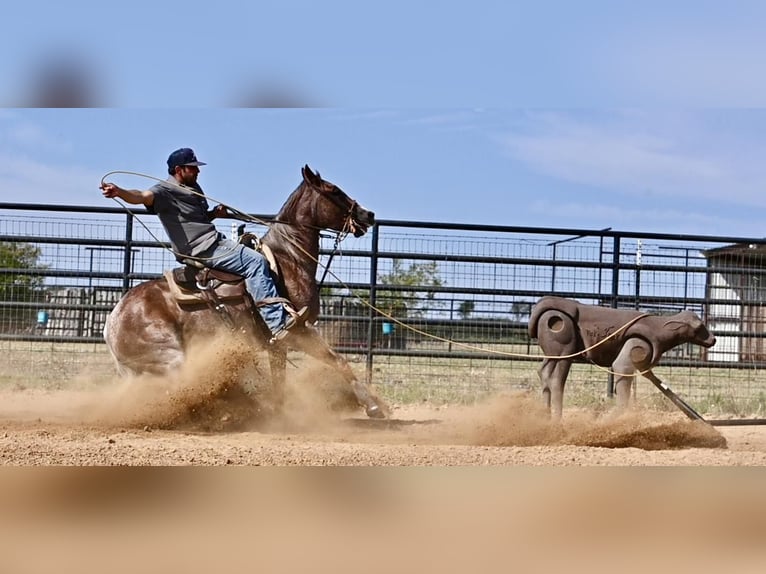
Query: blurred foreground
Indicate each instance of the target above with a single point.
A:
(406, 519)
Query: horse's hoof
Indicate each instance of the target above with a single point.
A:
(375, 412)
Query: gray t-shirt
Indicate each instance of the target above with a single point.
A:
(184, 216)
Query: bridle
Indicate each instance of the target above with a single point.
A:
(349, 226)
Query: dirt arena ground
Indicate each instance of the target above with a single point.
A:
(496, 434)
(202, 417)
(127, 425)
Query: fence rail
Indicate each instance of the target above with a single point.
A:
(459, 294)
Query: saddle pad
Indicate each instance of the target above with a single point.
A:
(181, 295)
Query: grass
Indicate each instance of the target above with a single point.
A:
(51, 365)
(438, 381)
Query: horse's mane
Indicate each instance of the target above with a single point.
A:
(284, 236)
(290, 205)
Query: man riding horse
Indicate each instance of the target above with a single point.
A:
(149, 329)
(183, 210)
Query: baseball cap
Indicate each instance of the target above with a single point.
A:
(183, 156)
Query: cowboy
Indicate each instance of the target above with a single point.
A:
(181, 205)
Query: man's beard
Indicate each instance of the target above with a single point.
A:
(189, 180)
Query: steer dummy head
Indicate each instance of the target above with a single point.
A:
(689, 328)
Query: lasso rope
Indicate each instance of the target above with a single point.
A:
(249, 218)
(240, 215)
(508, 353)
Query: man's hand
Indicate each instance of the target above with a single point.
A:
(219, 211)
(110, 190)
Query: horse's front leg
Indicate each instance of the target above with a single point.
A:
(310, 342)
(278, 367)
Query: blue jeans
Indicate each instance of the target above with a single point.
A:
(228, 255)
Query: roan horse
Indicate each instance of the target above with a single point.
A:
(149, 330)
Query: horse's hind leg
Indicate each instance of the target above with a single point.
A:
(134, 355)
(309, 341)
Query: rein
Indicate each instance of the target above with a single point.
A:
(335, 249)
(348, 227)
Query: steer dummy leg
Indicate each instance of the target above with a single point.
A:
(557, 337)
(634, 358)
(553, 375)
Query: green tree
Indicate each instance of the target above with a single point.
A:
(466, 308)
(18, 287)
(421, 276)
(520, 310)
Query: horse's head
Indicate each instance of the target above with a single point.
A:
(336, 210)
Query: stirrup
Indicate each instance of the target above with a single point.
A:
(296, 318)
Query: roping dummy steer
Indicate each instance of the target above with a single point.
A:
(628, 341)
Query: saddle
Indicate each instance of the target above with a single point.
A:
(194, 284)
(189, 284)
(219, 290)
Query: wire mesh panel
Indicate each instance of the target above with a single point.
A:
(433, 312)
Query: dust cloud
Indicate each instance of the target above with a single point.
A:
(225, 386)
(207, 393)
(520, 419)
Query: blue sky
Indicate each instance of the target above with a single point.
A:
(674, 171)
(589, 114)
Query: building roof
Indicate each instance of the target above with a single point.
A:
(745, 251)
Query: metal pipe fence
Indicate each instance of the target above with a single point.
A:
(425, 310)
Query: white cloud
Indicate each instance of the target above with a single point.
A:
(651, 217)
(26, 180)
(635, 154)
(32, 136)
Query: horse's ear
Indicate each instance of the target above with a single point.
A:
(310, 176)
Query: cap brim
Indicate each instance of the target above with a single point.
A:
(197, 163)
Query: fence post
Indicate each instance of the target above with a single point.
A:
(127, 257)
(615, 294)
(373, 293)
(637, 302)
